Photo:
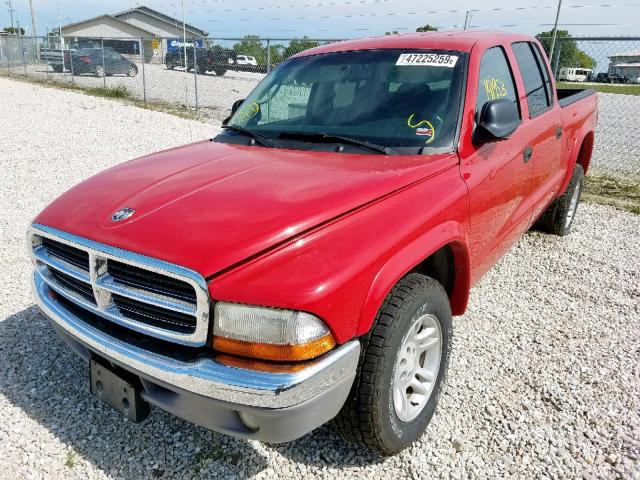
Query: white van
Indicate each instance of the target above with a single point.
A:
(574, 74)
(246, 60)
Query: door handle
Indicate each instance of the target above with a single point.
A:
(558, 133)
(526, 155)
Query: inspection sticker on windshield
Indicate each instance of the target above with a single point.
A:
(427, 60)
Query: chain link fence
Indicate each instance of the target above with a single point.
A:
(209, 74)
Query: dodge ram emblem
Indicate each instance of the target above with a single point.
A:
(122, 214)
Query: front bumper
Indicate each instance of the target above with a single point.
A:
(281, 406)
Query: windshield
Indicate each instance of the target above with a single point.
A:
(407, 100)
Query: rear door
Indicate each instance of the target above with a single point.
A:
(544, 121)
(497, 173)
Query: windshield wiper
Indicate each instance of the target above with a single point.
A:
(257, 137)
(339, 138)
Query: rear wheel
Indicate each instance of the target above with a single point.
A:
(402, 365)
(558, 218)
(170, 66)
(220, 71)
(57, 68)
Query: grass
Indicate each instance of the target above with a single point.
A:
(603, 87)
(119, 92)
(617, 191)
(72, 459)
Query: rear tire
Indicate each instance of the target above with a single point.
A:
(558, 218)
(385, 411)
(220, 72)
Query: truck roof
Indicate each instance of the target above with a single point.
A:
(453, 40)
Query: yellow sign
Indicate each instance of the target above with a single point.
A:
(155, 43)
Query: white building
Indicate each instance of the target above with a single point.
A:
(626, 64)
(130, 31)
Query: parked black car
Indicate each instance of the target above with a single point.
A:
(90, 60)
(604, 77)
(215, 60)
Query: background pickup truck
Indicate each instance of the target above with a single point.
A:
(305, 264)
(215, 59)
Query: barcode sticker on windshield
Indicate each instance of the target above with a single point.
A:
(427, 60)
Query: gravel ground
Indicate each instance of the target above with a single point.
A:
(544, 378)
(616, 152)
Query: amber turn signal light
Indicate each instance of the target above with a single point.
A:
(268, 351)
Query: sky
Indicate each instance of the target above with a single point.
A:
(330, 19)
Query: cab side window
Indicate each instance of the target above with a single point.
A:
(496, 79)
(535, 77)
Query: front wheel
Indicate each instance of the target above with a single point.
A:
(133, 71)
(402, 365)
(99, 71)
(558, 218)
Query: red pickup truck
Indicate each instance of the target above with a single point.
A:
(306, 262)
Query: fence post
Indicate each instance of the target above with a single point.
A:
(46, 65)
(556, 61)
(104, 67)
(24, 60)
(144, 79)
(195, 72)
(268, 55)
(73, 77)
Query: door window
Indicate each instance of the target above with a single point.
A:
(496, 79)
(536, 83)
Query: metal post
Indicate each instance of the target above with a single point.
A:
(144, 80)
(73, 80)
(555, 30)
(268, 55)
(556, 61)
(104, 67)
(24, 60)
(34, 28)
(195, 72)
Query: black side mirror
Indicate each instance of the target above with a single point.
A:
(498, 120)
(234, 109)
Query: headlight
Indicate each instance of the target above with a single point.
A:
(269, 333)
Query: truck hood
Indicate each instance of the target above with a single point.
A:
(209, 206)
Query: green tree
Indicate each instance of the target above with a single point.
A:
(297, 46)
(427, 28)
(395, 32)
(570, 54)
(13, 30)
(252, 45)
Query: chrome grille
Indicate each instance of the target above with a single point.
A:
(150, 296)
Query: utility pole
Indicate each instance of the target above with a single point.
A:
(186, 63)
(555, 31)
(10, 5)
(466, 19)
(34, 29)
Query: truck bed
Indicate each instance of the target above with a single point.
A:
(567, 96)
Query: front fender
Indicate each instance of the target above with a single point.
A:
(449, 233)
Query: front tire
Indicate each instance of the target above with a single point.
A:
(403, 362)
(558, 218)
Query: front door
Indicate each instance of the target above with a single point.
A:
(497, 173)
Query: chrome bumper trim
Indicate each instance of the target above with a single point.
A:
(207, 377)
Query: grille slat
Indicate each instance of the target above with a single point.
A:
(151, 281)
(156, 316)
(81, 288)
(74, 256)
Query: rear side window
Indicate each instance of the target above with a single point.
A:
(496, 80)
(535, 77)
